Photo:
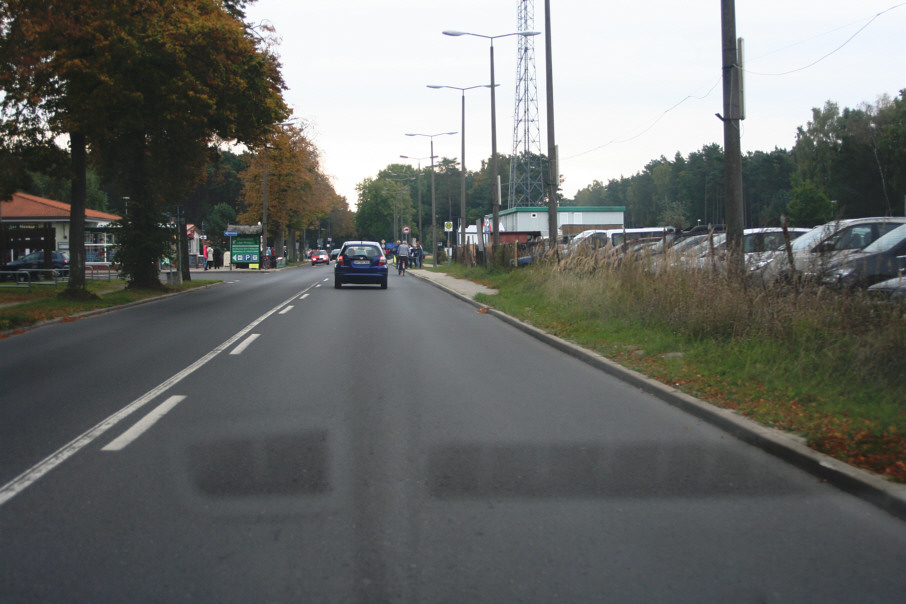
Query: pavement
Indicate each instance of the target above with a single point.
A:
(462, 288)
(868, 486)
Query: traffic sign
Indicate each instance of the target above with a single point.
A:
(405, 230)
(230, 233)
(245, 249)
(448, 226)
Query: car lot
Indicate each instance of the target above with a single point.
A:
(360, 263)
(839, 252)
(817, 250)
(33, 263)
(712, 253)
(882, 260)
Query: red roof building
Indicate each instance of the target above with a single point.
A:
(25, 210)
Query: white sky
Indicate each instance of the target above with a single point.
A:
(632, 81)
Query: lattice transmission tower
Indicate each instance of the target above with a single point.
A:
(526, 165)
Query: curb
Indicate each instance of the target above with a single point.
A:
(888, 496)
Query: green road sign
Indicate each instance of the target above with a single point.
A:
(245, 250)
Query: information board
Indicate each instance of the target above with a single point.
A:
(245, 250)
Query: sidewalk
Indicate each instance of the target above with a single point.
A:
(461, 287)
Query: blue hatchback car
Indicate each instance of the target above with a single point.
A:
(360, 262)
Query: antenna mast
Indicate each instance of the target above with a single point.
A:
(526, 187)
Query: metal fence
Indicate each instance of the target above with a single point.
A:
(54, 276)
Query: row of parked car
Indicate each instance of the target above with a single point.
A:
(33, 266)
(854, 253)
(850, 253)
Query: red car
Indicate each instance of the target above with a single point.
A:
(319, 256)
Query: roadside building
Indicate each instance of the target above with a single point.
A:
(570, 220)
(27, 219)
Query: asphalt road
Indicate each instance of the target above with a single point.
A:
(274, 439)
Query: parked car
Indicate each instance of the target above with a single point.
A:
(814, 251)
(34, 264)
(882, 260)
(892, 289)
(360, 262)
(319, 256)
(756, 242)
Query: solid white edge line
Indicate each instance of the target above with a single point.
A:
(144, 424)
(33, 474)
(245, 344)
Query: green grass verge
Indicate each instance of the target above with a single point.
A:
(23, 307)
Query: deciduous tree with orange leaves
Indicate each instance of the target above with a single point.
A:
(298, 193)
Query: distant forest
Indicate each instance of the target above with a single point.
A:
(845, 163)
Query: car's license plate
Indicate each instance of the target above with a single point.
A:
(361, 262)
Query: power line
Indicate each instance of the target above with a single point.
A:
(627, 138)
(834, 51)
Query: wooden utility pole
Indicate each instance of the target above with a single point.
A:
(733, 114)
(553, 179)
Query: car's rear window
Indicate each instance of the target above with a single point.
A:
(362, 250)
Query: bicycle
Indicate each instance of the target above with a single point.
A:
(401, 263)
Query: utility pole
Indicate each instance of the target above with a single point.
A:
(553, 179)
(733, 114)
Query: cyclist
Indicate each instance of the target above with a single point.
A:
(402, 257)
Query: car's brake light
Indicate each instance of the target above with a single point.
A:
(340, 261)
(382, 261)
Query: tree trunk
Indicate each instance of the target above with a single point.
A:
(76, 287)
(143, 247)
(279, 243)
(182, 240)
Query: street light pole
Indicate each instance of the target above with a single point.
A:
(419, 175)
(263, 251)
(462, 204)
(494, 177)
(398, 208)
(433, 195)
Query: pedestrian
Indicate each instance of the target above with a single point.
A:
(209, 258)
(402, 251)
(204, 253)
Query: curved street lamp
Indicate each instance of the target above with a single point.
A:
(494, 177)
(462, 203)
(433, 196)
(419, 160)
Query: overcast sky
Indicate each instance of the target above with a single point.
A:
(632, 81)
